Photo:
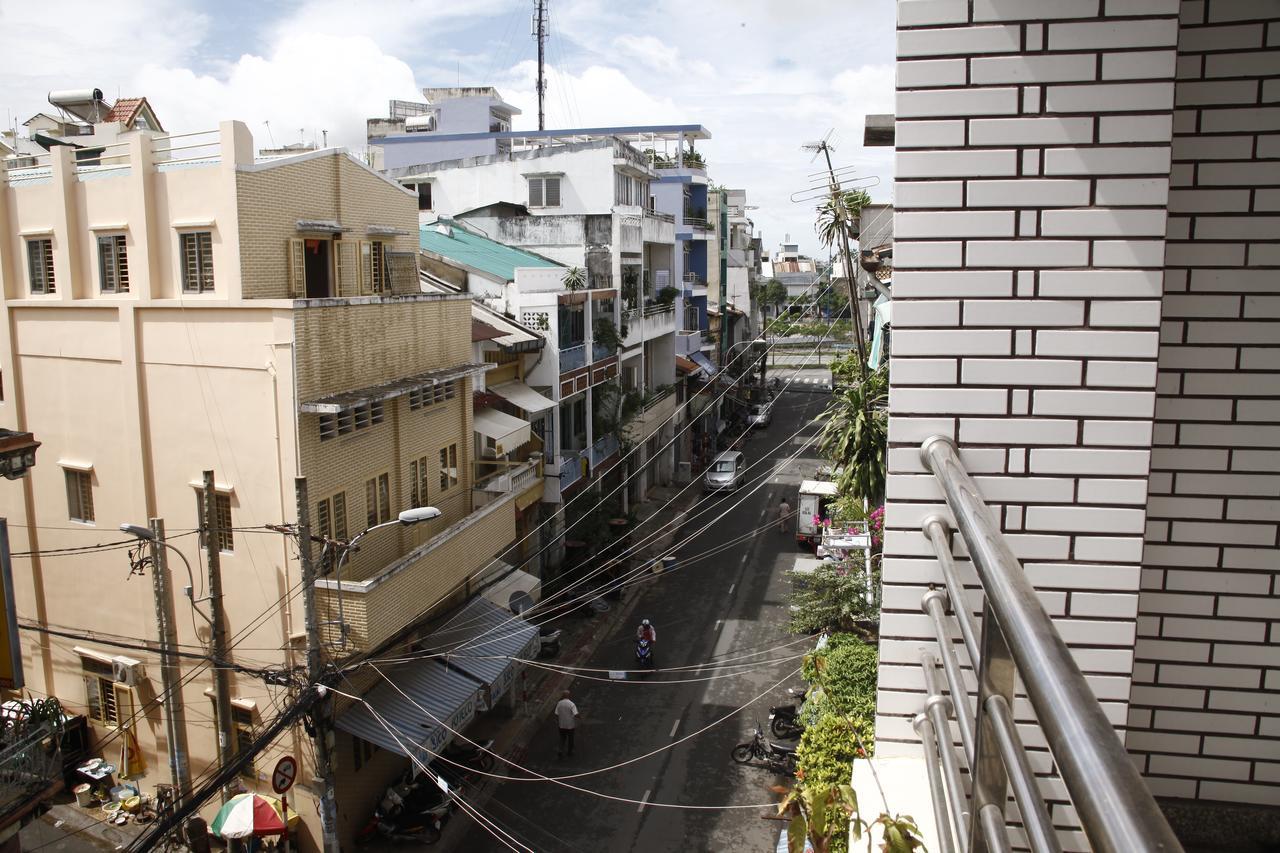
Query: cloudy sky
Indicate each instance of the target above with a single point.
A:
(764, 76)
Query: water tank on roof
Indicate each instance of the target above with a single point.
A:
(419, 124)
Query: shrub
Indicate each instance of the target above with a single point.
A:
(833, 597)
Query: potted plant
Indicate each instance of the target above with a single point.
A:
(574, 278)
(667, 295)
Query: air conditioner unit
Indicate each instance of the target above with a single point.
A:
(127, 671)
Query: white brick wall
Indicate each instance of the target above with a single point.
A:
(1209, 605)
(1030, 241)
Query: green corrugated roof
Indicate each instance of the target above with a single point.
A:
(472, 250)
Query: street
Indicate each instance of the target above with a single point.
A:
(724, 606)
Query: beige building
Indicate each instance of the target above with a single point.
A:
(175, 305)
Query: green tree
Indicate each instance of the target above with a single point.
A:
(775, 293)
(843, 208)
(855, 431)
(835, 596)
(574, 278)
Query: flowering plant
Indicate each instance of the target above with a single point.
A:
(875, 525)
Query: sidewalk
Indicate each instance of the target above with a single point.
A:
(540, 688)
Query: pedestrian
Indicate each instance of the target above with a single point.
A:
(567, 720)
(784, 515)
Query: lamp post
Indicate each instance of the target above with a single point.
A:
(175, 722)
(315, 665)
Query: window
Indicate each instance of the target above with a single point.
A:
(377, 495)
(573, 326)
(430, 395)
(242, 730)
(544, 192)
(424, 195)
(108, 701)
(40, 265)
(373, 263)
(113, 265)
(79, 495)
(331, 517)
(349, 420)
(418, 482)
(448, 467)
(361, 752)
(226, 540)
(197, 262)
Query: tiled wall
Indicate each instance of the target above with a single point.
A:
(1205, 708)
(1033, 151)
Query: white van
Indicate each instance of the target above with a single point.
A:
(816, 497)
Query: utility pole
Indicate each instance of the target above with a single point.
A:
(838, 210)
(540, 34)
(315, 671)
(722, 244)
(175, 717)
(221, 676)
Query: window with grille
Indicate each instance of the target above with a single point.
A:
(226, 537)
(448, 467)
(197, 262)
(418, 474)
(79, 495)
(331, 517)
(544, 192)
(373, 265)
(40, 265)
(109, 702)
(113, 264)
(349, 420)
(430, 395)
(242, 730)
(377, 495)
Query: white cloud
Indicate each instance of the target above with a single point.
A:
(597, 97)
(660, 56)
(310, 82)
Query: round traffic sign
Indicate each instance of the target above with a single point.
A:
(286, 771)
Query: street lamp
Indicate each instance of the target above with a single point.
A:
(146, 534)
(405, 519)
(17, 453)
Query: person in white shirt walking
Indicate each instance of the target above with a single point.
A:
(567, 720)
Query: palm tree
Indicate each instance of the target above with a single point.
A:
(842, 208)
(855, 435)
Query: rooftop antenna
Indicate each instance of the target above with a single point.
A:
(324, 134)
(269, 134)
(540, 35)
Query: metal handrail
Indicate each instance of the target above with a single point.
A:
(1117, 811)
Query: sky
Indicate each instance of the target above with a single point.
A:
(763, 76)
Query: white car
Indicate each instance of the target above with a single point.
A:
(725, 473)
(760, 415)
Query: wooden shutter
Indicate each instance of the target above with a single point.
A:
(348, 268)
(404, 272)
(205, 240)
(366, 267)
(340, 515)
(106, 265)
(297, 250)
(125, 705)
(552, 192)
(535, 192)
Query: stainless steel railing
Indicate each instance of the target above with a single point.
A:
(1016, 639)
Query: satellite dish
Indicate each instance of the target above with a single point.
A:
(519, 602)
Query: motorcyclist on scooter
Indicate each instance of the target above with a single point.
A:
(646, 631)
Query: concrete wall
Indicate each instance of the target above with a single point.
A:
(1204, 715)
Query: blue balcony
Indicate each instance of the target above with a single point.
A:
(573, 357)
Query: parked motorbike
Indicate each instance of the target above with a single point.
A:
(477, 756)
(784, 721)
(644, 653)
(549, 640)
(411, 811)
(776, 756)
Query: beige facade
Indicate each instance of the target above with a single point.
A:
(134, 390)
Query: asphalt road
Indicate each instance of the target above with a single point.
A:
(721, 606)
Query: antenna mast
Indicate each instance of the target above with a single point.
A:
(540, 34)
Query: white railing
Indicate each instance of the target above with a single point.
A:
(603, 449)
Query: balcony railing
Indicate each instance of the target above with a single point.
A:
(602, 450)
(572, 358)
(29, 768)
(499, 478)
(1017, 639)
(571, 467)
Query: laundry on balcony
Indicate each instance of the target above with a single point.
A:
(507, 432)
(521, 395)
(484, 639)
(421, 701)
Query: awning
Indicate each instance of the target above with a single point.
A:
(703, 362)
(486, 637)
(444, 693)
(332, 404)
(688, 365)
(507, 432)
(521, 395)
